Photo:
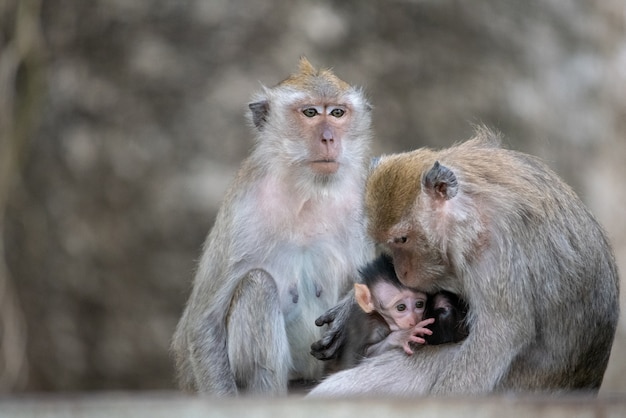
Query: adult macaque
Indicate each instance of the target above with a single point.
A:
(502, 231)
(286, 244)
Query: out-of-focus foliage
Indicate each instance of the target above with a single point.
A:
(141, 126)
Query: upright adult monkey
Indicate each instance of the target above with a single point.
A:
(286, 244)
(502, 231)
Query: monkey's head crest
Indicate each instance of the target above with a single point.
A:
(308, 78)
(392, 188)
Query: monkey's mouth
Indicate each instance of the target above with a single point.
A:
(325, 166)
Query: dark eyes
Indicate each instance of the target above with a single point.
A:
(401, 307)
(337, 113)
(400, 240)
(309, 112)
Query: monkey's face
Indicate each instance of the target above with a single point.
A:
(401, 308)
(321, 126)
(417, 263)
(405, 220)
(317, 124)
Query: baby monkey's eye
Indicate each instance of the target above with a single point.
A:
(419, 304)
(309, 112)
(401, 307)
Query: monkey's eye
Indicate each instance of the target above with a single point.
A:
(400, 307)
(400, 240)
(309, 112)
(419, 304)
(337, 112)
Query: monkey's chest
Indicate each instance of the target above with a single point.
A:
(309, 279)
(309, 284)
(305, 222)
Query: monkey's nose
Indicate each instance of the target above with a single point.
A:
(327, 135)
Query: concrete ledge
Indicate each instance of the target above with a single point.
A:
(173, 404)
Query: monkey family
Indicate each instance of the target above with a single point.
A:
(501, 230)
(493, 227)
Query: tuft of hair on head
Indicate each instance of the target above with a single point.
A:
(381, 267)
(484, 137)
(308, 77)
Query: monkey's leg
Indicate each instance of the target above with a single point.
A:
(258, 348)
(391, 373)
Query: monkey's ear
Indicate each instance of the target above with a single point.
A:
(260, 111)
(440, 182)
(363, 297)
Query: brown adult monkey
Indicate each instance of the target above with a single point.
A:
(286, 244)
(501, 230)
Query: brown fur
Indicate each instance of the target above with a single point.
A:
(501, 230)
(307, 77)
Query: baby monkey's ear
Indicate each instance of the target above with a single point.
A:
(363, 297)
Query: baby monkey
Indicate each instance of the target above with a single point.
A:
(409, 315)
(388, 315)
(401, 308)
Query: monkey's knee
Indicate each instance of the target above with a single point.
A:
(257, 340)
(256, 283)
(255, 306)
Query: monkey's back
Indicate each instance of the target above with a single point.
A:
(552, 251)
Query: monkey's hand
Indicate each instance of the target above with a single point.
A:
(415, 335)
(334, 338)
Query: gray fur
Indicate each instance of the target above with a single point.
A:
(285, 246)
(535, 267)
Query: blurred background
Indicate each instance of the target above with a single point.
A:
(122, 123)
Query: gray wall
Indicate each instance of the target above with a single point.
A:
(127, 125)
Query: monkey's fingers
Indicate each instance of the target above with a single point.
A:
(407, 349)
(328, 347)
(329, 316)
(326, 318)
(417, 339)
(320, 353)
(425, 322)
(418, 330)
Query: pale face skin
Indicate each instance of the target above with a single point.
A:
(325, 124)
(402, 309)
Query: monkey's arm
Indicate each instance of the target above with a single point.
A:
(401, 338)
(332, 343)
(503, 330)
